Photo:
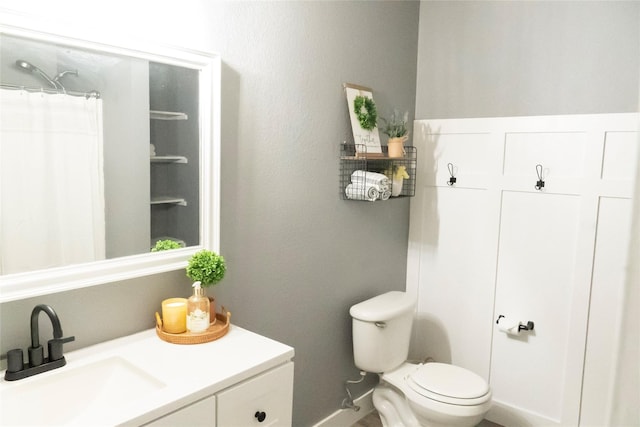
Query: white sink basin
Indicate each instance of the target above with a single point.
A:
(83, 395)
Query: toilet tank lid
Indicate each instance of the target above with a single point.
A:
(383, 307)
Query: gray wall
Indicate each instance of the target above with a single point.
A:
(298, 255)
(494, 58)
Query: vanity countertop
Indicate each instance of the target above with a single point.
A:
(180, 374)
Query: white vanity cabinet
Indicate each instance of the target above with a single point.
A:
(241, 379)
(263, 400)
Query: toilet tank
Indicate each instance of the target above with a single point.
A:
(382, 331)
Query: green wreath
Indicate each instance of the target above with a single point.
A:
(365, 110)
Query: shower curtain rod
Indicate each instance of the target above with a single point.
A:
(91, 94)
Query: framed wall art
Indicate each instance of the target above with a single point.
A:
(364, 120)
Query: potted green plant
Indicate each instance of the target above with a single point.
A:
(208, 268)
(395, 127)
(165, 245)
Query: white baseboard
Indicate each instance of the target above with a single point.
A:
(348, 417)
(506, 415)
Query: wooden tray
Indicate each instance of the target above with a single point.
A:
(215, 331)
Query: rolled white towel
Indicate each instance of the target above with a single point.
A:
(362, 192)
(384, 192)
(362, 175)
(382, 187)
(370, 177)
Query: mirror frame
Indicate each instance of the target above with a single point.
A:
(47, 281)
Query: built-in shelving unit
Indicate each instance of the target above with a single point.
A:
(168, 115)
(174, 162)
(167, 201)
(354, 157)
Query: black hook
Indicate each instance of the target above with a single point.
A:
(452, 180)
(540, 183)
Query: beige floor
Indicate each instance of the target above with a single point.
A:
(373, 420)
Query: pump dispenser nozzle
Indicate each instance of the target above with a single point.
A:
(197, 288)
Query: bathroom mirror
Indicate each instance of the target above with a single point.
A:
(105, 148)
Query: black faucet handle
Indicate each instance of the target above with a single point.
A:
(15, 360)
(55, 347)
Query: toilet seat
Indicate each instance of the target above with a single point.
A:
(448, 384)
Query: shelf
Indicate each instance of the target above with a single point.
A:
(370, 157)
(168, 201)
(167, 115)
(168, 159)
(352, 160)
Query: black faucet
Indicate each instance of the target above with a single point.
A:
(17, 370)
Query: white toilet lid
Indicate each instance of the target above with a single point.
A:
(448, 383)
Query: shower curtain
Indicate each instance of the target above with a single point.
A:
(51, 181)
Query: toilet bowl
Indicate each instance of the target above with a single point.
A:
(434, 395)
(412, 395)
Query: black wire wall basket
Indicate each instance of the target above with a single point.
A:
(362, 174)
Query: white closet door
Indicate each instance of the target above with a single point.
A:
(535, 280)
(607, 292)
(609, 275)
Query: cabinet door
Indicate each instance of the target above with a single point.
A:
(265, 400)
(199, 414)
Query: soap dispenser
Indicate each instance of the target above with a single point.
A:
(198, 310)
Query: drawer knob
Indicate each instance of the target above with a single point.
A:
(261, 416)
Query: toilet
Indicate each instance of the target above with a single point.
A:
(409, 394)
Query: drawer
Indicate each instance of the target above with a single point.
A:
(265, 400)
